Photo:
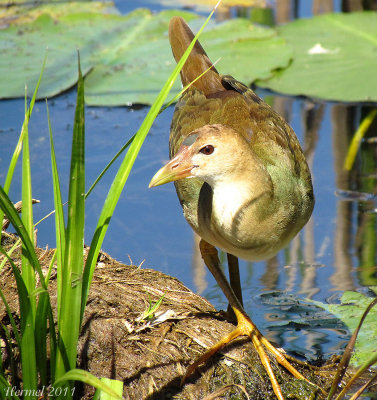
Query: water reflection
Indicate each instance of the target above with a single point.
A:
(342, 132)
(336, 250)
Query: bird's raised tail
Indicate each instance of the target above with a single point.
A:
(180, 36)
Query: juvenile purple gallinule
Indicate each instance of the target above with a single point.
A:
(240, 175)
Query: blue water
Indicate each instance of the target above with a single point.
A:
(148, 226)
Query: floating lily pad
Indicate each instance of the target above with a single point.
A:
(23, 11)
(352, 307)
(136, 71)
(135, 68)
(335, 58)
(129, 57)
(207, 5)
(23, 48)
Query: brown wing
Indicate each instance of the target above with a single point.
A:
(216, 99)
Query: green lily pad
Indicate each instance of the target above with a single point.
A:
(136, 70)
(207, 5)
(23, 11)
(136, 67)
(129, 57)
(23, 48)
(335, 58)
(352, 307)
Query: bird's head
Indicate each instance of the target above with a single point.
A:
(211, 153)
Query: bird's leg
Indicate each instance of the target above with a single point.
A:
(235, 282)
(245, 326)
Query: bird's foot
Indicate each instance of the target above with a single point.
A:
(245, 327)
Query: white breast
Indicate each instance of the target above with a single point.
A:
(229, 201)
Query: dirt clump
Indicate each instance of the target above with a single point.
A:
(151, 356)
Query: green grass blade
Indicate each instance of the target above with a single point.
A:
(27, 320)
(18, 148)
(27, 342)
(50, 266)
(115, 385)
(17, 151)
(10, 251)
(69, 316)
(357, 138)
(89, 379)
(180, 93)
(28, 274)
(45, 362)
(124, 147)
(27, 308)
(8, 208)
(9, 312)
(41, 338)
(123, 172)
(53, 343)
(6, 389)
(59, 213)
(9, 341)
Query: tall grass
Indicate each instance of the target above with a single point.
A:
(55, 368)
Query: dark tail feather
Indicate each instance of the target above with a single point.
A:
(180, 36)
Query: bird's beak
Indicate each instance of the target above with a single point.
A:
(177, 168)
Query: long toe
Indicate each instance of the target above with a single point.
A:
(246, 327)
(210, 352)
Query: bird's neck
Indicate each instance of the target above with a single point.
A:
(236, 196)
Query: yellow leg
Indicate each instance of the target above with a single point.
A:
(245, 326)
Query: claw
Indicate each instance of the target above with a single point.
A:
(245, 327)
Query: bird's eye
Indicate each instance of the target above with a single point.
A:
(207, 150)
